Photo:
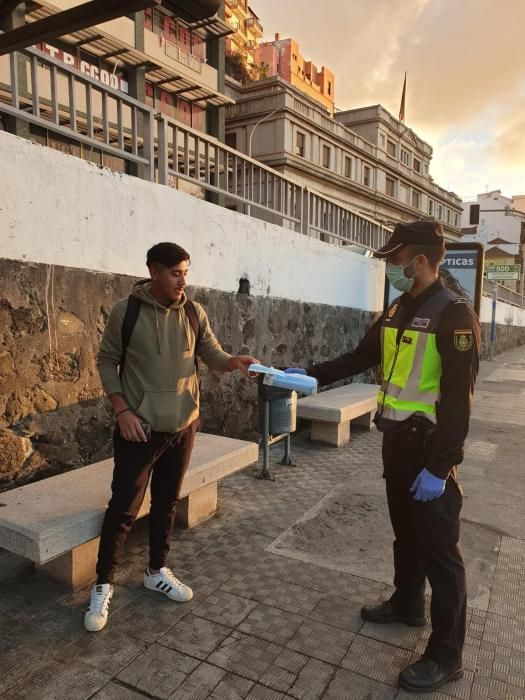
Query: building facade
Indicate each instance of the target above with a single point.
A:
(172, 65)
(283, 57)
(498, 223)
(247, 30)
(364, 159)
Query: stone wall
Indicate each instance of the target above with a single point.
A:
(507, 338)
(53, 414)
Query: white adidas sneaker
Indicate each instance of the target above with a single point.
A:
(165, 582)
(96, 615)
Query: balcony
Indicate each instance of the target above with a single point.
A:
(253, 25)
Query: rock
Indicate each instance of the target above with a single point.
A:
(14, 451)
(7, 365)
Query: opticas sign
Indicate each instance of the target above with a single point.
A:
(107, 77)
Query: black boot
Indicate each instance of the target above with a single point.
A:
(386, 613)
(425, 675)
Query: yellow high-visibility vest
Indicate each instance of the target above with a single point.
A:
(410, 361)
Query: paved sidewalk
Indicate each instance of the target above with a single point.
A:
(279, 578)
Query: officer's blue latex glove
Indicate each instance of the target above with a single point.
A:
(295, 370)
(427, 487)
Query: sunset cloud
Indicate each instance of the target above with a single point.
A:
(464, 65)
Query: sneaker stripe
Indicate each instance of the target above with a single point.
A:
(169, 589)
(159, 584)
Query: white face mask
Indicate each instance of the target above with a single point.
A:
(397, 278)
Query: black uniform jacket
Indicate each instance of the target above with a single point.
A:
(458, 340)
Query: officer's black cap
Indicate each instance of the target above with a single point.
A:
(427, 233)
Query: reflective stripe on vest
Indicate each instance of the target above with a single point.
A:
(411, 370)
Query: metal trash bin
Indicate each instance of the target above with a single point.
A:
(283, 409)
(277, 420)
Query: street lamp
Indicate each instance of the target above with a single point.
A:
(255, 127)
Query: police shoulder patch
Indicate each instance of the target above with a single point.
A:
(392, 311)
(463, 339)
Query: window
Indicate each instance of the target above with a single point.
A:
(448, 216)
(326, 156)
(367, 176)
(391, 148)
(416, 199)
(417, 165)
(456, 219)
(431, 207)
(474, 214)
(231, 139)
(329, 88)
(300, 144)
(405, 157)
(440, 212)
(390, 187)
(348, 167)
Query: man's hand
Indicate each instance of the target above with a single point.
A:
(241, 362)
(427, 487)
(130, 427)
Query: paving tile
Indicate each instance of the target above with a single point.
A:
(376, 660)
(339, 612)
(232, 687)
(116, 691)
(245, 656)
(398, 635)
(195, 636)
(200, 683)
(346, 684)
(287, 596)
(271, 623)
(58, 680)
(321, 641)
(158, 671)
(224, 608)
(107, 651)
(261, 692)
(312, 680)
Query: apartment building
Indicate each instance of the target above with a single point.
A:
(283, 57)
(247, 30)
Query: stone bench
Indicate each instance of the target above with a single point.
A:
(56, 522)
(332, 411)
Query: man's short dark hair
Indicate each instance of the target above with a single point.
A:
(167, 254)
(433, 253)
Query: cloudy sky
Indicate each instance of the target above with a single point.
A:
(465, 61)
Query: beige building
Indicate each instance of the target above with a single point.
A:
(364, 158)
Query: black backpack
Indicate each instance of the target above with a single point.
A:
(130, 319)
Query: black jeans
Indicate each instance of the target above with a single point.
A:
(426, 545)
(166, 457)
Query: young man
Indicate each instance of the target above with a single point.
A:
(153, 387)
(427, 344)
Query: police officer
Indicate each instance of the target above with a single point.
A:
(427, 344)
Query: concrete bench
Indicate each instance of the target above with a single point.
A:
(56, 522)
(332, 411)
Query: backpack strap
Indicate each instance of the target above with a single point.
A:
(128, 324)
(191, 313)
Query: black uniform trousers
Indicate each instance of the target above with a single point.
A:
(165, 457)
(426, 543)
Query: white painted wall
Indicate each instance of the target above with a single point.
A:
(59, 210)
(506, 314)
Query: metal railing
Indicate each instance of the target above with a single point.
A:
(504, 293)
(257, 189)
(52, 95)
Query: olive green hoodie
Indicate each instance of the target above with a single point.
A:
(159, 380)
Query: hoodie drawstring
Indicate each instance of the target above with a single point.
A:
(185, 323)
(158, 331)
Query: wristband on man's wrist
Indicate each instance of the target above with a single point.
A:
(122, 411)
